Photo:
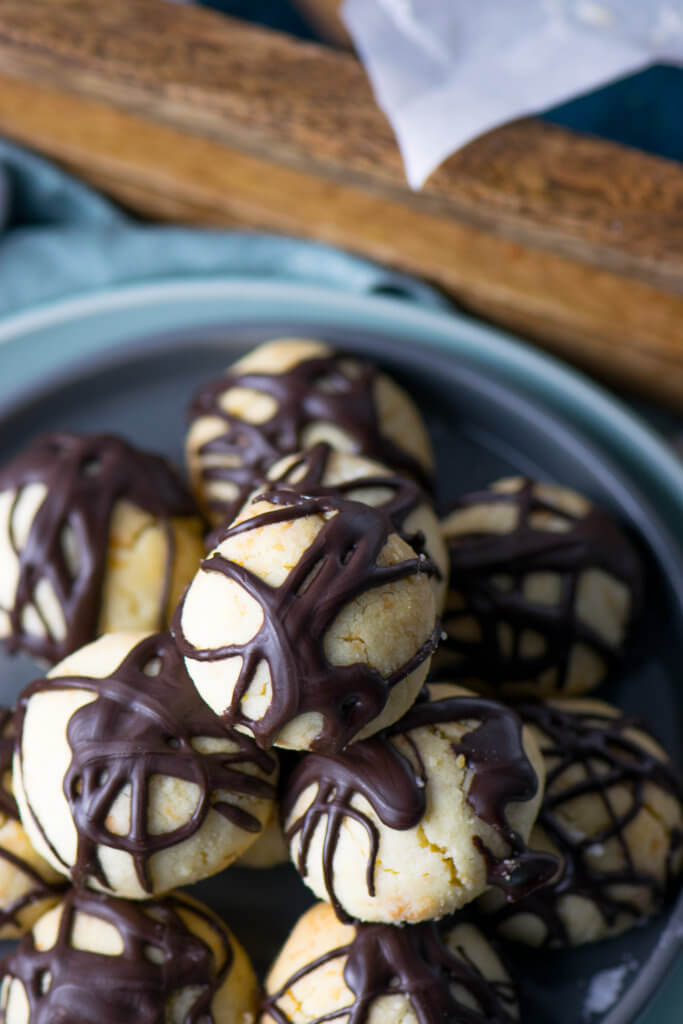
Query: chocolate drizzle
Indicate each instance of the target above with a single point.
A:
(85, 477)
(8, 805)
(143, 723)
(161, 957)
(592, 541)
(340, 564)
(609, 758)
(322, 389)
(413, 962)
(395, 787)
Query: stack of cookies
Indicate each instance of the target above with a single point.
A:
(394, 703)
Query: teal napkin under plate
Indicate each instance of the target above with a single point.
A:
(61, 238)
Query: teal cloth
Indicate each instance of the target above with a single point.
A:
(61, 238)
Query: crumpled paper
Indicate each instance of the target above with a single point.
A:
(446, 71)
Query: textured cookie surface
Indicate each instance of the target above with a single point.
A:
(284, 396)
(378, 974)
(415, 823)
(29, 886)
(612, 813)
(95, 536)
(99, 960)
(125, 780)
(544, 590)
(311, 624)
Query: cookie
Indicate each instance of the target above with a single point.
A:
(95, 958)
(125, 780)
(415, 823)
(28, 885)
(283, 397)
(321, 470)
(95, 536)
(544, 590)
(378, 974)
(311, 624)
(612, 813)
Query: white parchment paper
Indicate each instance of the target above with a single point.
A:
(445, 71)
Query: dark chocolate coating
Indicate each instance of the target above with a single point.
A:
(71, 986)
(139, 726)
(593, 541)
(328, 389)
(413, 961)
(85, 477)
(340, 564)
(396, 787)
(40, 889)
(596, 741)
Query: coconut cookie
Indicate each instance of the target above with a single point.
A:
(544, 590)
(95, 536)
(28, 885)
(283, 397)
(415, 823)
(311, 624)
(99, 959)
(321, 470)
(271, 849)
(612, 813)
(377, 974)
(126, 780)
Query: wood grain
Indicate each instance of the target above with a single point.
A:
(324, 16)
(187, 116)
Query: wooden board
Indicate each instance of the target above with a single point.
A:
(185, 115)
(324, 16)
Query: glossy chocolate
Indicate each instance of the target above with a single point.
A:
(340, 564)
(323, 389)
(143, 722)
(610, 758)
(85, 477)
(161, 957)
(395, 785)
(593, 541)
(414, 962)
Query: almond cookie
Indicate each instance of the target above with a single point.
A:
(378, 974)
(611, 813)
(28, 885)
(283, 397)
(95, 958)
(311, 624)
(415, 823)
(544, 590)
(95, 536)
(125, 780)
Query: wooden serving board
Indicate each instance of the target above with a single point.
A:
(183, 114)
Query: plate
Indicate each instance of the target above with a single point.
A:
(128, 360)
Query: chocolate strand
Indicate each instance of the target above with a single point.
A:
(340, 564)
(320, 389)
(593, 739)
(378, 771)
(75, 986)
(592, 541)
(85, 477)
(414, 962)
(142, 725)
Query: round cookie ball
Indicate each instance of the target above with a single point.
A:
(311, 624)
(95, 536)
(283, 397)
(415, 823)
(95, 958)
(544, 590)
(378, 974)
(323, 470)
(271, 849)
(125, 780)
(611, 813)
(28, 885)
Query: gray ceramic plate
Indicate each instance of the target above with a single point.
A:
(127, 361)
